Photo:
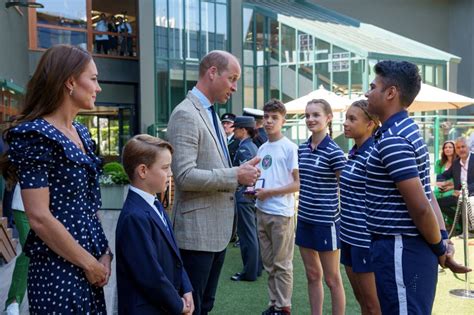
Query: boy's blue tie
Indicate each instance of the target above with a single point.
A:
(161, 213)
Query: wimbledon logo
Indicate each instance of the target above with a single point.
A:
(266, 162)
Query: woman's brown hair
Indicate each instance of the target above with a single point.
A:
(46, 90)
(444, 157)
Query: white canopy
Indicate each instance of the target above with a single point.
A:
(433, 98)
(338, 103)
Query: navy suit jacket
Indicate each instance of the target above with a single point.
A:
(454, 172)
(150, 275)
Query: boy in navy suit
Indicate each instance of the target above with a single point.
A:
(150, 275)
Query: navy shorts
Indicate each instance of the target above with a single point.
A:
(321, 238)
(406, 273)
(358, 258)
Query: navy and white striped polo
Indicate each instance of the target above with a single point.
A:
(318, 199)
(352, 192)
(399, 154)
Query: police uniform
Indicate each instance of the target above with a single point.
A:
(261, 135)
(246, 219)
(232, 142)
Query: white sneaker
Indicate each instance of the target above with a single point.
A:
(13, 309)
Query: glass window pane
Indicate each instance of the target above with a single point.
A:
(288, 83)
(68, 13)
(221, 29)
(161, 27)
(192, 75)
(248, 36)
(273, 42)
(322, 49)
(305, 46)
(260, 38)
(208, 27)
(248, 87)
(429, 75)
(176, 29)
(259, 89)
(305, 79)
(177, 90)
(288, 45)
(192, 28)
(274, 80)
(440, 77)
(357, 75)
(48, 37)
(162, 82)
(323, 77)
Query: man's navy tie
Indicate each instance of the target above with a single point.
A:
(219, 135)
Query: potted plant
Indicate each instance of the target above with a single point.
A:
(113, 186)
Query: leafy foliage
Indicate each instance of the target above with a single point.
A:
(114, 173)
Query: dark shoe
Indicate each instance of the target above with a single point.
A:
(272, 310)
(236, 277)
(269, 311)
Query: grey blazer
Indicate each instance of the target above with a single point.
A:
(205, 183)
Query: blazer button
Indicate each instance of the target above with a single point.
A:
(178, 265)
(231, 198)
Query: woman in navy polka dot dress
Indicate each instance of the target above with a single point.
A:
(52, 157)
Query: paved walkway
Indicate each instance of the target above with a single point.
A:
(109, 221)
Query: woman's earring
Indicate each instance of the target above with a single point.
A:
(70, 92)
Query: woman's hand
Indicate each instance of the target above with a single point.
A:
(96, 273)
(106, 261)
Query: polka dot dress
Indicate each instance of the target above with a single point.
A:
(45, 157)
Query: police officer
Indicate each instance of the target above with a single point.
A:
(227, 121)
(260, 135)
(244, 130)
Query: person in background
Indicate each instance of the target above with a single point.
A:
(125, 39)
(150, 275)
(113, 40)
(52, 158)
(461, 171)
(227, 121)
(102, 40)
(320, 162)
(205, 181)
(244, 130)
(355, 240)
(17, 290)
(445, 189)
(260, 136)
(276, 208)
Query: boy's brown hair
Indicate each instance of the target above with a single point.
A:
(142, 149)
(275, 105)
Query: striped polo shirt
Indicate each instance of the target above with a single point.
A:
(352, 193)
(318, 198)
(399, 154)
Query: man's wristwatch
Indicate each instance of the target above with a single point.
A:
(109, 252)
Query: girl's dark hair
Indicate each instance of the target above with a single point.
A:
(444, 157)
(46, 90)
(326, 108)
(364, 105)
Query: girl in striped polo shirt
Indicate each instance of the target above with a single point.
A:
(355, 240)
(317, 235)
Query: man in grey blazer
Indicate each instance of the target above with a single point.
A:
(205, 181)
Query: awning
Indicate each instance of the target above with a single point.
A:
(8, 85)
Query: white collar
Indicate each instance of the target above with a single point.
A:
(149, 198)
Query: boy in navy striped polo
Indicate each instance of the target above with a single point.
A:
(406, 240)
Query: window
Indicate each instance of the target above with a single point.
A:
(105, 27)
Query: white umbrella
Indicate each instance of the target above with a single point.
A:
(338, 103)
(433, 98)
